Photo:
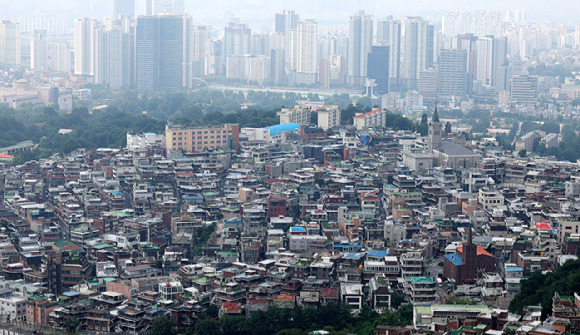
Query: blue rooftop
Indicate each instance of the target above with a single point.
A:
(377, 254)
(455, 259)
(280, 128)
(117, 193)
(297, 229)
(514, 269)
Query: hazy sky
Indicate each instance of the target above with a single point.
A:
(260, 12)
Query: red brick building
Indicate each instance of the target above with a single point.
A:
(464, 265)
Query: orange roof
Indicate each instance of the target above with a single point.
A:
(284, 298)
(6, 156)
(374, 111)
(480, 251)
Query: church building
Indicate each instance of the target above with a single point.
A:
(447, 153)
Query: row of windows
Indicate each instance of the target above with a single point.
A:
(199, 143)
(199, 137)
(97, 328)
(199, 132)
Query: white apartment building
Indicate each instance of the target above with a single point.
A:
(375, 118)
(297, 114)
(11, 305)
(329, 117)
(490, 198)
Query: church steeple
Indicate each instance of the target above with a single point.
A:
(470, 236)
(435, 117)
(434, 132)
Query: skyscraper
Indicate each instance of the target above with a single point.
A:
(468, 42)
(499, 61)
(163, 51)
(60, 56)
(10, 43)
(452, 73)
(200, 38)
(117, 53)
(360, 42)
(285, 21)
(417, 49)
(307, 51)
(85, 53)
(148, 7)
(427, 85)
(277, 66)
(173, 7)
(491, 55)
(124, 7)
(378, 68)
(38, 51)
(237, 43)
(524, 89)
(389, 34)
(286, 25)
(324, 73)
(237, 39)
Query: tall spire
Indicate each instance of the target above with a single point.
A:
(435, 117)
(469, 237)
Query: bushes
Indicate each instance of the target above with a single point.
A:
(336, 318)
(539, 288)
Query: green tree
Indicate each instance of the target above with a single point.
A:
(448, 128)
(397, 299)
(207, 326)
(292, 331)
(71, 324)
(522, 153)
(423, 127)
(538, 288)
(162, 325)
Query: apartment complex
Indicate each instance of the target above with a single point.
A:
(191, 139)
(329, 117)
(375, 118)
(297, 114)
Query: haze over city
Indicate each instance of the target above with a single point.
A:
(328, 12)
(295, 167)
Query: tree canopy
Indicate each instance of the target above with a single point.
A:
(539, 288)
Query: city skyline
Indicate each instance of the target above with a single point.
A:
(324, 11)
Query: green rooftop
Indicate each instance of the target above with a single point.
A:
(423, 280)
